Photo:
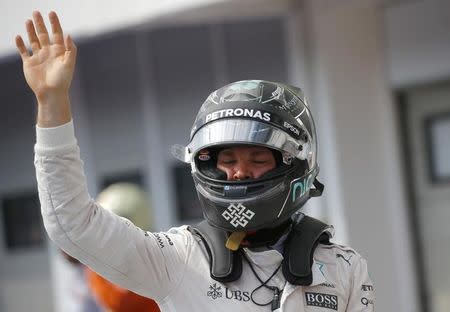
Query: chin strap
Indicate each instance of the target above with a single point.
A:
(305, 235)
(234, 240)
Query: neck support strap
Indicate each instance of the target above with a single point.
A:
(226, 265)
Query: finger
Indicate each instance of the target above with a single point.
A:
(32, 37)
(57, 31)
(41, 29)
(71, 51)
(21, 47)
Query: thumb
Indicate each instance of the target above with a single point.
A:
(71, 51)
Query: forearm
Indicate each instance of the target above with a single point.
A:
(61, 184)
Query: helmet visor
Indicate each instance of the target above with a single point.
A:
(246, 131)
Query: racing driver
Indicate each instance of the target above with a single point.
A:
(252, 152)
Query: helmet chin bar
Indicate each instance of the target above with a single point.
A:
(251, 205)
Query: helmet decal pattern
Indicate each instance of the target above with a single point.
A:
(301, 186)
(238, 215)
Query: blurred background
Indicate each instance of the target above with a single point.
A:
(376, 74)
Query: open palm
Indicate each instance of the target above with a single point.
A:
(49, 69)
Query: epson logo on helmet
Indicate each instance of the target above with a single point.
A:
(291, 127)
(238, 112)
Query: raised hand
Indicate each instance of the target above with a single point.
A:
(48, 69)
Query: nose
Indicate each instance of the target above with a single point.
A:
(242, 172)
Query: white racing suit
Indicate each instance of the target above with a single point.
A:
(173, 267)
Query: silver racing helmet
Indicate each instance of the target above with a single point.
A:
(261, 113)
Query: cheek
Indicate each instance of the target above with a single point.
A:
(258, 172)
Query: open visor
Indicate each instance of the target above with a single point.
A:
(246, 131)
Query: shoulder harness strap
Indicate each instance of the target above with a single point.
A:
(226, 265)
(298, 253)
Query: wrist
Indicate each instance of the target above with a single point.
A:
(51, 96)
(53, 110)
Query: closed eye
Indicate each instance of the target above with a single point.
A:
(260, 161)
(227, 162)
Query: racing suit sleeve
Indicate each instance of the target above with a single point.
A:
(150, 264)
(362, 296)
